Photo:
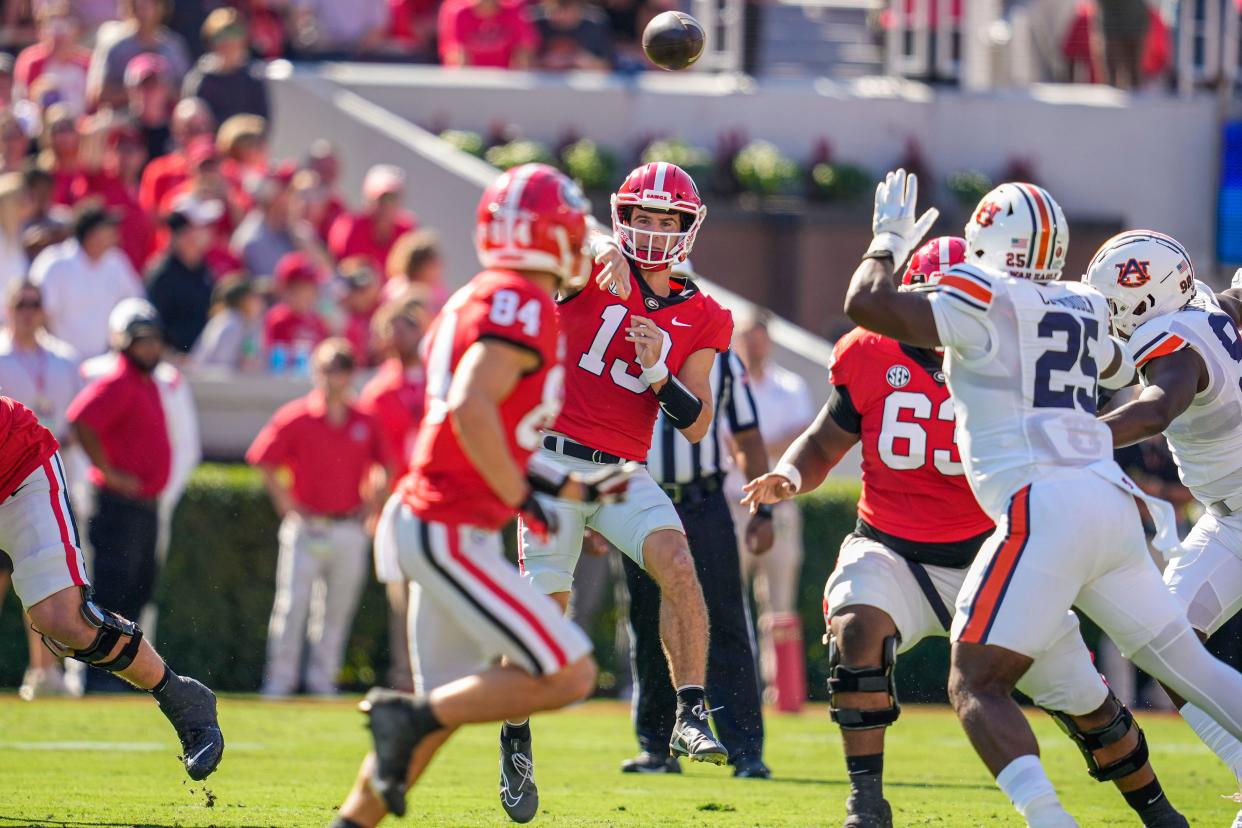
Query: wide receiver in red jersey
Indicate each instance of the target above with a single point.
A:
(899, 573)
(38, 531)
(639, 338)
(493, 379)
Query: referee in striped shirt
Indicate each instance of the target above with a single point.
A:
(693, 476)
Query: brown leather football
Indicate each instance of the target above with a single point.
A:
(673, 40)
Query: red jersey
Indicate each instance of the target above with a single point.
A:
(394, 397)
(24, 445)
(282, 325)
(443, 485)
(354, 235)
(895, 398)
(607, 405)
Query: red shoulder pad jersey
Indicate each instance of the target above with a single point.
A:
(24, 445)
(607, 405)
(914, 486)
(442, 484)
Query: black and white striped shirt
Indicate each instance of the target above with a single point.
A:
(674, 459)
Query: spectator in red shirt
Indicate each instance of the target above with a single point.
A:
(359, 302)
(113, 154)
(415, 262)
(59, 147)
(293, 322)
(331, 450)
(57, 54)
(119, 422)
(151, 100)
(395, 397)
(374, 231)
(412, 27)
(206, 182)
(325, 163)
(191, 119)
(492, 33)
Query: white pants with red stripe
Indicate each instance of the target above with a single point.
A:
(468, 605)
(1069, 539)
(38, 532)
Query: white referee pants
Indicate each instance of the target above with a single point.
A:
(320, 576)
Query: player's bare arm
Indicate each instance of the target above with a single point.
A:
(614, 268)
(1172, 382)
(873, 300)
(119, 481)
(804, 465)
(1230, 302)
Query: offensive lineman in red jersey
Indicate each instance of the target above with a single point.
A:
(899, 573)
(493, 379)
(638, 338)
(38, 531)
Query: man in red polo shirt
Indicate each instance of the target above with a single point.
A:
(330, 450)
(395, 398)
(382, 221)
(119, 421)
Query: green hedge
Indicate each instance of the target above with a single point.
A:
(215, 594)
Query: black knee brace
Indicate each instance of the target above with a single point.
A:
(842, 679)
(1089, 741)
(111, 629)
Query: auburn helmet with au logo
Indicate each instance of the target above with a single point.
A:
(1019, 229)
(1142, 274)
(657, 187)
(533, 217)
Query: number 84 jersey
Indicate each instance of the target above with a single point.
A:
(894, 397)
(1206, 438)
(1022, 360)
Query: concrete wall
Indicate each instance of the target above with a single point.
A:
(1145, 160)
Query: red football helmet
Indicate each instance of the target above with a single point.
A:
(665, 188)
(533, 217)
(933, 259)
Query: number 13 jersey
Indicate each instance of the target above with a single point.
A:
(1022, 360)
(607, 405)
(1206, 438)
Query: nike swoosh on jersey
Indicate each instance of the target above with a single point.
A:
(681, 324)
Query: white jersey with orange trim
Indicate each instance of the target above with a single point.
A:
(1022, 360)
(1206, 438)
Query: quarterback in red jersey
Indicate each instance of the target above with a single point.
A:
(40, 537)
(493, 380)
(898, 574)
(639, 338)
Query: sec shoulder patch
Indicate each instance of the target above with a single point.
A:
(898, 376)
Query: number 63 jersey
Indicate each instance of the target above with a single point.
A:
(1206, 438)
(1022, 360)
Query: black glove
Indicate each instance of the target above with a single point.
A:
(541, 522)
(609, 484)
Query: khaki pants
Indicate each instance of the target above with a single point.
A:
(320, 576)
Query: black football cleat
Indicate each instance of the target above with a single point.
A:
(519, 795)
(398, 722)
(867, 813)
(191, 708)
(693, 737)
(651, 762)
(751, 767)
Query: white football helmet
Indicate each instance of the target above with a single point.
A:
(1142, 274)
(1019, 229)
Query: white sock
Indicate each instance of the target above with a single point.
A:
(1218, 740)
(1030, 790)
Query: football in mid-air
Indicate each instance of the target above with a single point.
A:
(673, 40)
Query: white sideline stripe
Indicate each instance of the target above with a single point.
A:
(120, 747)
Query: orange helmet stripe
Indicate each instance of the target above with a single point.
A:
(1045, 226)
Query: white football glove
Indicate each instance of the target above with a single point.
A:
(1236, 281)
(893, 225)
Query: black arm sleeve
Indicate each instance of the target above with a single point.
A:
(841, 409)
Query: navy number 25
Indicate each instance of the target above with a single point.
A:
(1066, 374)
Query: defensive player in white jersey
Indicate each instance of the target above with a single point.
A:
(1023, 357)
(1184, 340)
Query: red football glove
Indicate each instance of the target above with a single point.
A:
(541, 522)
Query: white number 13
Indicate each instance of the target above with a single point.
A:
(593, 359)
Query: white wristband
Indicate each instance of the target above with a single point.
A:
(790, 472)
(655, 373)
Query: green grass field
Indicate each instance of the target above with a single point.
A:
(111, 763)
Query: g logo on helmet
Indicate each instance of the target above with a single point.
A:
(898, 376)
(986, 213)
(1133, 273)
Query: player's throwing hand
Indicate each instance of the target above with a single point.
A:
(614, 272)
(771, 488)
(647, 338)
